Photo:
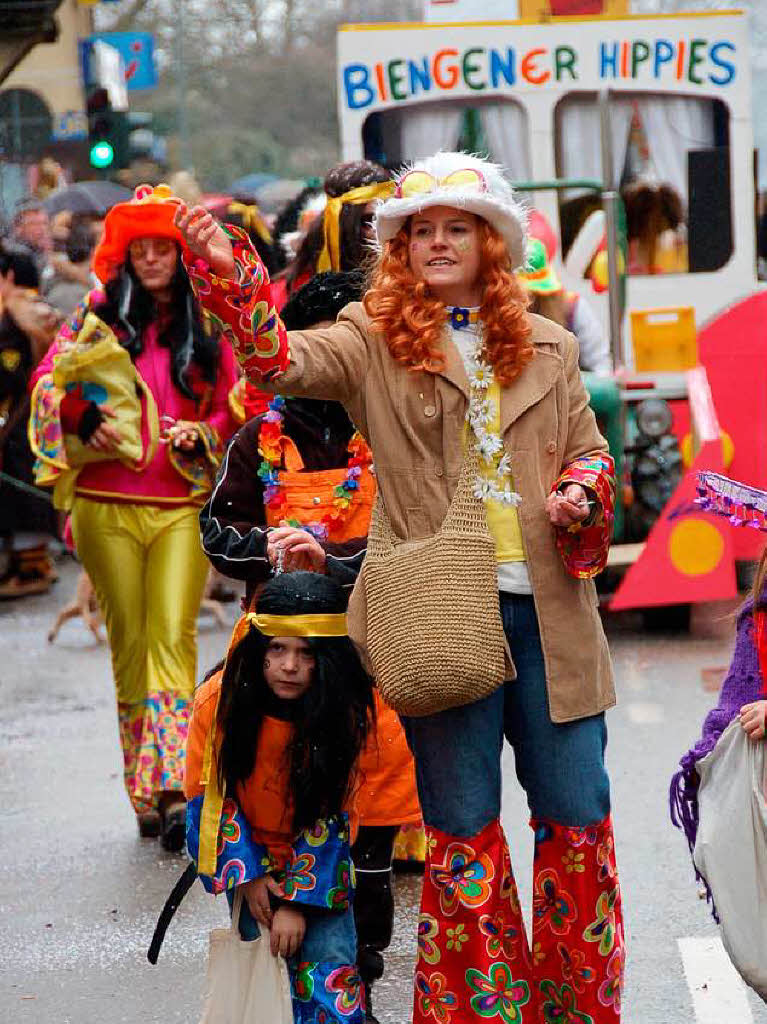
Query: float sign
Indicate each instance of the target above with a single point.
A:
(391, 67)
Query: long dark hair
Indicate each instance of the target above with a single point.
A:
(129, 308)
(354, 253)
(287, 221)
(331, 720)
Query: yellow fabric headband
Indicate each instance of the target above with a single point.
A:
(251, 219)
(330, 257)
(299, 625)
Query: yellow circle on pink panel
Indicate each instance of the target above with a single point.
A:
(695, 547)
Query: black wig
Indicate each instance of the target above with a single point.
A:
(322, 298)
(331, 720)
(129, 309)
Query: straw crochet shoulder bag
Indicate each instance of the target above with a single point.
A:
(434, 633)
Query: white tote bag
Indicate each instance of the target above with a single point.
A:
(245, 983)
(731, 848)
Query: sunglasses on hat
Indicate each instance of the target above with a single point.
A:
(419, 183)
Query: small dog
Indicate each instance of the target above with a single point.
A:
(86, 605)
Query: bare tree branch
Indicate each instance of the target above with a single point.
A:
(126, 18)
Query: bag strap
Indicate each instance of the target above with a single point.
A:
(465, 513)
(237, 910)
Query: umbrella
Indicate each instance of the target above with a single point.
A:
(250, 182)
(95, 197)
(273, 196)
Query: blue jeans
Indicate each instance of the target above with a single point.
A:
(330, 943)
(458, 752)
(329, 936)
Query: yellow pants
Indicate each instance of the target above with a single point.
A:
(148, 570)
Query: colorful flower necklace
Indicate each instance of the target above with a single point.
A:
(481, 414)
(270, 447)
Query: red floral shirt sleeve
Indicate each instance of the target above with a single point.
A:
(243, 311)
(587, 461)
(584, 546)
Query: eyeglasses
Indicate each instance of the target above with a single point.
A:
(140, 248)
(418, 183)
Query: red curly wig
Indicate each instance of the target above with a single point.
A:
(413, 321)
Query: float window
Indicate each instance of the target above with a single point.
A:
(498, 128)
(671, 161)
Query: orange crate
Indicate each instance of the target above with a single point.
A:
(664, 339)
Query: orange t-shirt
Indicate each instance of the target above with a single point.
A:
(264, 797)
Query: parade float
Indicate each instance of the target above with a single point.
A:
(582, 111)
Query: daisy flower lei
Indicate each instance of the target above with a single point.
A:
(495, 482)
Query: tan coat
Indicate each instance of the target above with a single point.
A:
(413, 423)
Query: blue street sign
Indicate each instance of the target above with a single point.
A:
(137, 52)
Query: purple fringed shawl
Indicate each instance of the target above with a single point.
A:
(742, 685)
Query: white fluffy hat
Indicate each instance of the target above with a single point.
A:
(486, 193)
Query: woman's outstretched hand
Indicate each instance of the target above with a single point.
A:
(569, 506)
(206, 238)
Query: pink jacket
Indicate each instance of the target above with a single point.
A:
(161, 482)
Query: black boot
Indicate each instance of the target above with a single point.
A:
(173, 828)
(370, 1017)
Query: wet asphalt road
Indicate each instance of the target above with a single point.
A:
(80, 892)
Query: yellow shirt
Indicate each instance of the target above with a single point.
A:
(502, 518)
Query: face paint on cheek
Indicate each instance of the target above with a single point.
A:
(267, 663)
(463, 245)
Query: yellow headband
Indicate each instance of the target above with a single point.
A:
(330, 257)
(251, 219)
(299, 625)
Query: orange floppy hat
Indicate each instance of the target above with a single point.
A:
(149, 214)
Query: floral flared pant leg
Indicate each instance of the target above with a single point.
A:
(474, 959)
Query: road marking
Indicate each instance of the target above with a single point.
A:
(718, 994)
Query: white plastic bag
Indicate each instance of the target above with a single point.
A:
(245, 983)
(731, 848)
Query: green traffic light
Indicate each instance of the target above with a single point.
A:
(101, 154)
